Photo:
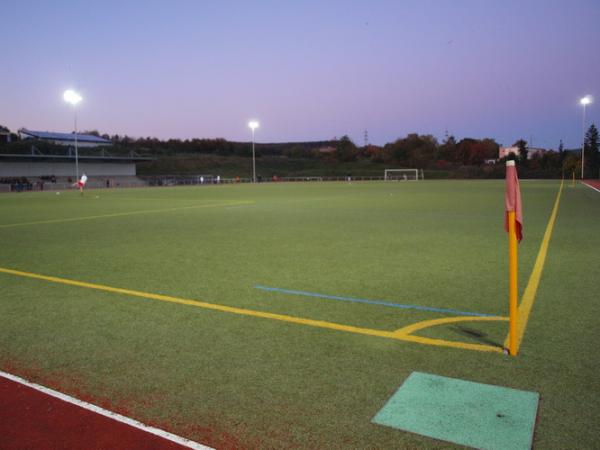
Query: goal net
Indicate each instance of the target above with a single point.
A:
(402, 175)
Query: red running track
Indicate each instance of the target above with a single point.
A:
(30, 419)
(593, 183)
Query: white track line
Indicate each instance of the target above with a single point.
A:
(591, 187)
(112, 415)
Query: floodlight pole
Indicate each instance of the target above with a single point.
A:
(76, 150)
(584, 103)
(253, 159)
(73, 98)
(253, 124)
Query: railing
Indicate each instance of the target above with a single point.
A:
(189, 180)
(178, 180)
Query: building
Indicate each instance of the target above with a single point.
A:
(94, 157)
(4, 135)
(505, 151)
(535, 152)
(531, 152)
(66, 139)
(327, 150)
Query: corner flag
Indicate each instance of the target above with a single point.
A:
(513, 223)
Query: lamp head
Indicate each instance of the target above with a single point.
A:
(253, 124)
(72, 97)
(586, 100)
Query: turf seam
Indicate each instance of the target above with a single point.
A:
(372, 302)
(130, 213)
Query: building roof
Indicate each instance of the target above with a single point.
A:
(67, 137)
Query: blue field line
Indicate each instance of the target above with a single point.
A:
(372, 302)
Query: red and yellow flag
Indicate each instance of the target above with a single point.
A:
(512, 199)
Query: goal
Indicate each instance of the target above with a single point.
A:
(402, 175)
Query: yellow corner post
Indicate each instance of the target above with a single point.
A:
(512, 283)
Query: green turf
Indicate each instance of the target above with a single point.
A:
(219, 377)
(472, 414)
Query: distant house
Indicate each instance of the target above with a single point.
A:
(505, 151)
(4, 135)
(327, 150)
(66, 139)
(531, 152)
(536, 151)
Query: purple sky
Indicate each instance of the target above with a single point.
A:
(307, 70)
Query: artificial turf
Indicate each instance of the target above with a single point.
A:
(232, 380)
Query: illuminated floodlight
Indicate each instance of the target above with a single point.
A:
(72, 97)
(253, 124)
(584, 102)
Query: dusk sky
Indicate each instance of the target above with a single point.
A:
(307, 70)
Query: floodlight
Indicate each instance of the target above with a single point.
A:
(72, 97)
(253, 124)
(586, 100)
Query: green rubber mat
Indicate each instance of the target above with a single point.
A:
(467, 413)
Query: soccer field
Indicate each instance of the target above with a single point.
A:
(286, 315)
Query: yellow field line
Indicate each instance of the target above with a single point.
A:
(453, 344)
(534, 280)
(406, 333)
(402, 334)
(129, 213)
(443, 321)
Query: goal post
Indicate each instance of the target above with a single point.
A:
(402, 175)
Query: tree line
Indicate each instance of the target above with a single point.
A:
(472, 157)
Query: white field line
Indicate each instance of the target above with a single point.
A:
(111, 415)
(591, 187)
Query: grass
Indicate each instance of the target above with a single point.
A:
(232, 380)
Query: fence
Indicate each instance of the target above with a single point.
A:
(180, 180)
(172, 180)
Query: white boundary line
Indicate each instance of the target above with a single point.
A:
(111, 415)
(591, 187)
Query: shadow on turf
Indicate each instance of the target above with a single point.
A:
(475, 335)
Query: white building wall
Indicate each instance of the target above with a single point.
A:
(80, 144)
(64, 169)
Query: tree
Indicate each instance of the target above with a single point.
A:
(396, 151)
(592, 158)
(422, 150)
(413, 151)
(561, 156)
(463, 150)
(447, 150)
(571, 165)
(345, 150)
(522, 144)
(482, 150)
